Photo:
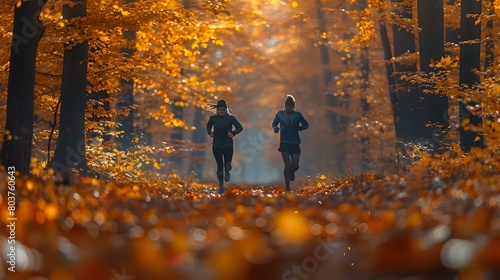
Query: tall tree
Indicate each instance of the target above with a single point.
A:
(433, 123)
(338, 121)
(100, 105)
(27, 31)
(409, 105)
(452, 30)
(126, 121)
(490, 44)
(391, 81)
(177, 133)
(127, 89)
(470, 132)
(70, 150)
(365, 105)
(198, 137)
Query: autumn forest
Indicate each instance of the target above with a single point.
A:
(107, 158)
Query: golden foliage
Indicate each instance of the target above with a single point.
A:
(162, 47)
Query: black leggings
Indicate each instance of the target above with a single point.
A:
(223, 157)
(291, 164)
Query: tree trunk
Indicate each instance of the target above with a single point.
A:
(469, 60)
(433, 125)
(325, 56)
(489, 47)
(27, 31)
(127, 121)
(409, 105)
(127, 87)
(337, 122)
(177, 137)
(386, 46)
(365, 106)
(70, 150)
(99, 101)
(198, 137)
(452, 40)
(452, 34)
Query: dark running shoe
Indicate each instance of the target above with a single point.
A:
(227, 176)
(221, 189)
(292, 175)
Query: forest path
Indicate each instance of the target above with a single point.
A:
(357, 228)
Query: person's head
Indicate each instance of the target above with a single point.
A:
(289, 103)
(221, 107)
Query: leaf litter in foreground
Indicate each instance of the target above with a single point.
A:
(359, 227)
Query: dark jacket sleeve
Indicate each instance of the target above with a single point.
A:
(237, 125)
(303, 122)
(210, 124)
(275, 123)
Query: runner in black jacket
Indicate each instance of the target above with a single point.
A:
(220, 127)
(290, 123)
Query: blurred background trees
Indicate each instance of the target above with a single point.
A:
(378, 80)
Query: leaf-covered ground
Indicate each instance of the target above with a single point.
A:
(357, 227)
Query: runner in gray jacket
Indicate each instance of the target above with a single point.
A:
(289, 122)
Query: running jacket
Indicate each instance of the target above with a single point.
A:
(221, 126)
(289, 126)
